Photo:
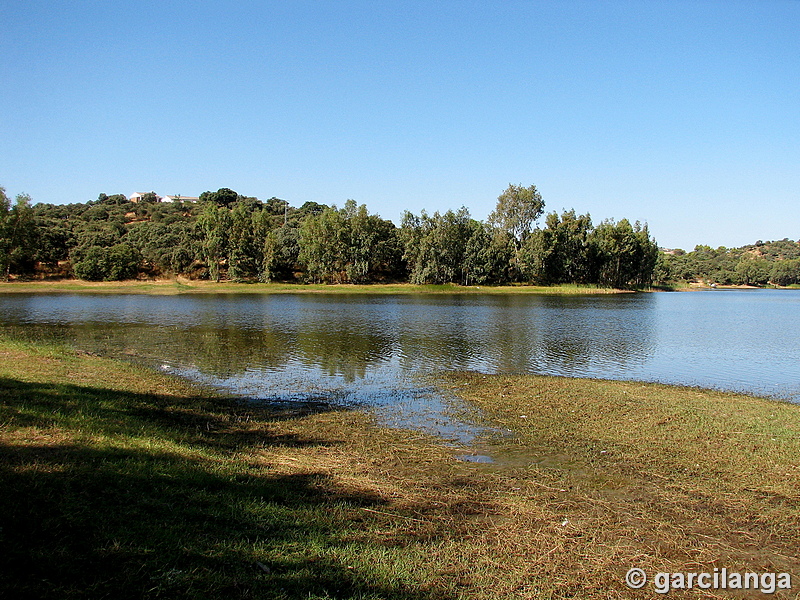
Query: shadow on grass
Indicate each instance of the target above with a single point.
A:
(104, 521)
(201, 420)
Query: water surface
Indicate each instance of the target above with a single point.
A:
(372, 350)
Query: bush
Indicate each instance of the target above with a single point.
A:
(785, 272)
(113, 264)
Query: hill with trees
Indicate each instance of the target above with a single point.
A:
(759, 264)
(226, 235)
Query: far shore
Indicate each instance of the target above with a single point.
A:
(181, 285)
(193, 286)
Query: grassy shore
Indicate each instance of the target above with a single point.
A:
(119, 482)
(187, 286)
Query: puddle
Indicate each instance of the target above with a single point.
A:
(476, 458)
(397, 401)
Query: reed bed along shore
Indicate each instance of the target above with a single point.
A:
(187, 286)
(126, 483)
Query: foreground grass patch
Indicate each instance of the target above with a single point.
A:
(118, 482)
(615, 475)
(124, 483)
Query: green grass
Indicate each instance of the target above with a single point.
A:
(182, 286)
(663, 478)
(122, 483)
(119, 482)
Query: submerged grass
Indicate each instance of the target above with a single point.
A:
(119, 482)
(613, 475)
(186, 286)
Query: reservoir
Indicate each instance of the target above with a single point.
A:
(376, 349)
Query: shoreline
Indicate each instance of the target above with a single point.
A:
(186, 286)
(172, 286)
(168, 489)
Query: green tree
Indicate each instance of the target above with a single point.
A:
(96, 263)
(560, 253)
(435, 246)
(663, 272)
(165, 245)
(516, 212)
(323, 245)
(785, 272)
(213, 226)
(222, 197)
(487, 255)
(113, 200)
(278, 210)
(93, 233)
(371, 244)
(91, 264)
(753, 271)
(348, 245)
(53, 240)
(280, 254)
(623, 255)
(244, 255)
(17, 234)
(122, 262)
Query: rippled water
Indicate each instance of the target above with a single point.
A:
(371, 349)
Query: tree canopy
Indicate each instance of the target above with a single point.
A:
(226, 235)
(517, 210)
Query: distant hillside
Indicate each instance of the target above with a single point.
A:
(784, 249)
(762, 263)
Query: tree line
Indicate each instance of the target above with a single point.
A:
(230, 236)
(762, 263)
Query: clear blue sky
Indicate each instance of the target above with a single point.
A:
(682, 114)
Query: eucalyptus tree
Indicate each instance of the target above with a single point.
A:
(279, 253)
(213, 225)
(347, 245)
(435, 245)
(516, 212)
(625, 256)
(244, 255)
(17, 234)
(372, 246)
(322, 242)
(561, 252)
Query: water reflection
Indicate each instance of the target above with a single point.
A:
(367, 349)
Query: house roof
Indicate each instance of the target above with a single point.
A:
(180, 198)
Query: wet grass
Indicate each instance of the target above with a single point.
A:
(119, 482)
(122, 483)
(185, 286)
(603, 476)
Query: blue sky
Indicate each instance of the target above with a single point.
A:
(685, 115)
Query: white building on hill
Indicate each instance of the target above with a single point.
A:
(136, 197)
(180, 198)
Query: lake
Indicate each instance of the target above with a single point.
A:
(372, 349)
